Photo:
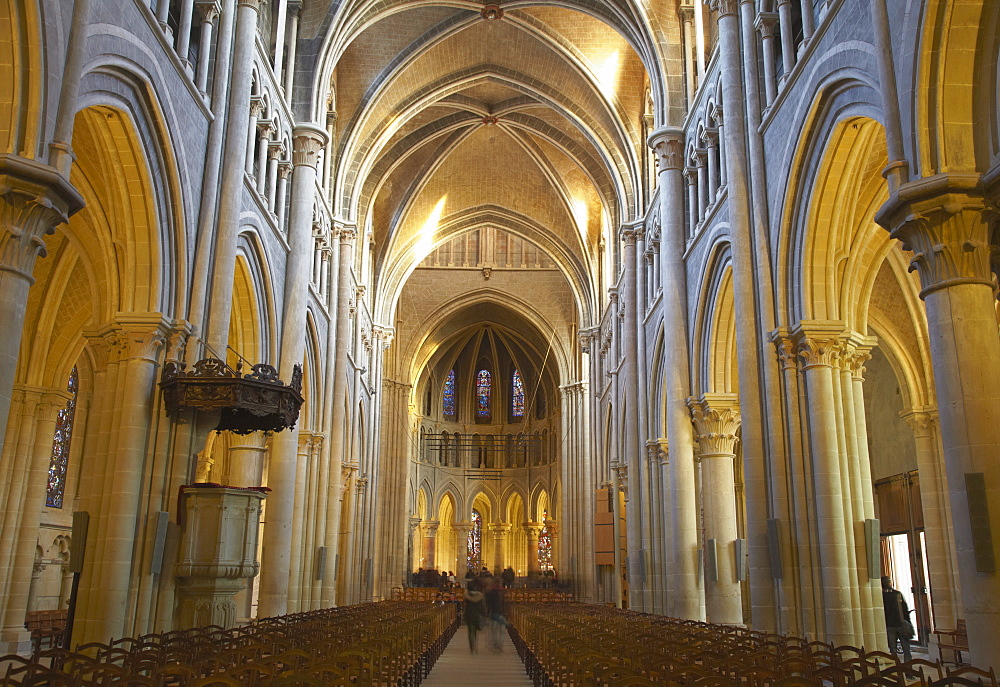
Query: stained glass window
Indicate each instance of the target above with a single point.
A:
(448, 406)
(545, 549)
(483, 388)
(517, 395)
(60, 447)
(476, 541)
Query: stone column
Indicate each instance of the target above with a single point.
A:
(711, 141)
(818, 349)
(231, 184)
(284, 171)
(943, 220)
(429, 530)
(461, 530)
(687, 20)
(275, 153)
(209, 11)
(415, 544)
(749, 280)
(500, 531)
(34, 199)
(298, 553)
(627, 378)
(246, 459)
(691, 180)
(856, 465)
(112, 539)
(942, 565)
(716, 419)
(683, 580)
(553, 527)
(765, 27)
(787, 39)
(337, 383)
(294, 6)
(701, 167)
(23, 513)
(533, 530)
(256, 112)
(275, 564)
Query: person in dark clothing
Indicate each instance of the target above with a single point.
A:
(897, 618)
(475, 614)
(507, 576)
(494, 606)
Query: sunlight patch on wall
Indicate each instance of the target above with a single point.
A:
(608, 75)
(581, 215)
(425, 237)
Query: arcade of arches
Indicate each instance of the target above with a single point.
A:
(734, 261)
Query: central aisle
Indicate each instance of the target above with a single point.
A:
(458, 667)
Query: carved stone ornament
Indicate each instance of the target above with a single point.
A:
(254, 402)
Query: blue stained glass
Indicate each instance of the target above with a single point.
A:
(476, 541)
(449, 394)
(517, 397)
(483, 388)
(56, 487)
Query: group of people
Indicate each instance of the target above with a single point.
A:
(434, 578)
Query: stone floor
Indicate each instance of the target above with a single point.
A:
(457, 666)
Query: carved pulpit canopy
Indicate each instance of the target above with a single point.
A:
(254, 402)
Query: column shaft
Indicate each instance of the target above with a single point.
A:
(277, 536)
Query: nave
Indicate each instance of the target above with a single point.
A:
(407, 643)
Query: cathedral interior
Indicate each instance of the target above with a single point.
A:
(688, 304)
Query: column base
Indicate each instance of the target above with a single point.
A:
(15, 640)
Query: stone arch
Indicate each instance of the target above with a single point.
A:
(842, 247)
(250, 248)
(23, 71)
(244, 325)
(714, 331)
(420, 506)
(957, 55)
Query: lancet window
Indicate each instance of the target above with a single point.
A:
(448, 400)
(59, 462)
(484, 387)
(517, 395)
(476, 541)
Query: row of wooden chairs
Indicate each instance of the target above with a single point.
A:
(580, 645)
(525, 595)
(384, 643)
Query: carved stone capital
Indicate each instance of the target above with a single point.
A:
(765, 23)
(668, 145)
(725, 7)
(209, 10)
(500, 530)
(533, 530)
(34, 199)
(921, 420)
(857, 351)
(818, 344)
(630, 233)
(141, 335)
(348, 234)
(786, 348)
(716, 419)
(255, 5)
(308, 140)
(256, 106)
(945, 221)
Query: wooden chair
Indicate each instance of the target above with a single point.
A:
(956, 640)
